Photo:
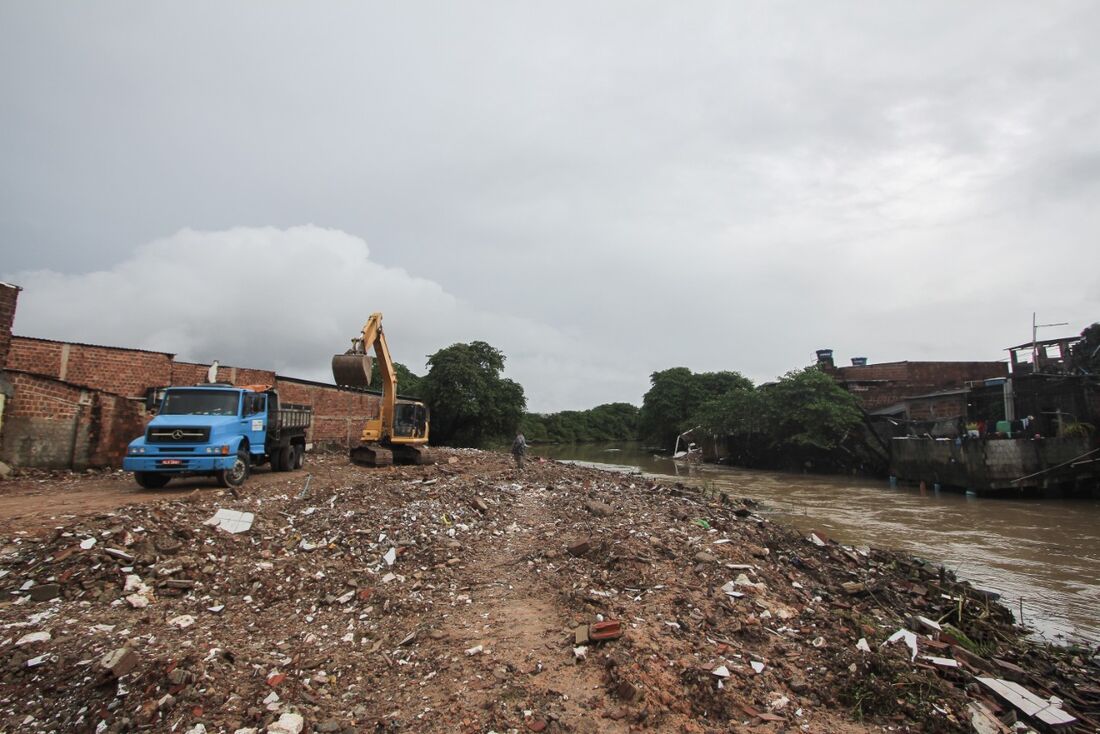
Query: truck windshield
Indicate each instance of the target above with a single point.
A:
(200, 402)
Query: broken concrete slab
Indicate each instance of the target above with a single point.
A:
(45, 592)
(288, 723)
(231, 521)
(119, 662)
(1048, 712)
(33, 638)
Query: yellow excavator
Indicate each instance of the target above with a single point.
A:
(400, 432)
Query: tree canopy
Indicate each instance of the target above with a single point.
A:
(471, 404)
(675, 397)
(1086, 353)
(408, 383)
(607, 422)
(804, 415)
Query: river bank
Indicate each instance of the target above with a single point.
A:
(1043, 556)
(454, 597)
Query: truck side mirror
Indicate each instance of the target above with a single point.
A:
(153, 396)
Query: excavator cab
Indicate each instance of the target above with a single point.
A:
(400, 431)
(410, 419)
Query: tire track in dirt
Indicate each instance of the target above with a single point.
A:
(524, 630)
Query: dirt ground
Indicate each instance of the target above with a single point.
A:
(447, 598)
(45, 500)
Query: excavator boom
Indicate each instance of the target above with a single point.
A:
(382, 441)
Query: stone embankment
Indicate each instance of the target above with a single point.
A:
(468, 596)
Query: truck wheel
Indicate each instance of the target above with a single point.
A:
(277, 460)
(236, 474)
(299, 456)
(286, 458)
(151, 480)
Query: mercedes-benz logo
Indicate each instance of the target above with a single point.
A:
(177, 434)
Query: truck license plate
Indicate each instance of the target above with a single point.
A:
(171, 462)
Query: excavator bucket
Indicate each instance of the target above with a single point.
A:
(352, 369)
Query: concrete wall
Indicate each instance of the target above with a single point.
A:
(988, 465)
(9, 294)
(937, 407)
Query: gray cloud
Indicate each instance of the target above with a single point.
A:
(717, 185)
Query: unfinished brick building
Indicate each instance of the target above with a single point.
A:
(931, 389)
(74, 405)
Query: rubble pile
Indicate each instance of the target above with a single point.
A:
(469, 596)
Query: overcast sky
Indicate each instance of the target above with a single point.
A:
(600, 190)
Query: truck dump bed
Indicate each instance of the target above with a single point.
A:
(291, 416)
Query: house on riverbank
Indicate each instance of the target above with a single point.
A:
(1030, 433)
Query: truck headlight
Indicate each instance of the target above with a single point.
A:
(137, 450)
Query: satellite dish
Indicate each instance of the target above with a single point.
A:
(212, 373)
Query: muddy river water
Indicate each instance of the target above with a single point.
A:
(1044, 554)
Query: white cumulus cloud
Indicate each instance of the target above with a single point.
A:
(288, 299)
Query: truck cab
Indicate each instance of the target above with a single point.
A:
(221, 431)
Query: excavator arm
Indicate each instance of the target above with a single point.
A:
(353, 369)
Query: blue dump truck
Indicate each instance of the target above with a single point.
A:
(218, 430)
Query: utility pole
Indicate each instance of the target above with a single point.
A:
(1035, 340)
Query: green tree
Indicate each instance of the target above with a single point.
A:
(1086, 353)
(607, 422)
(471, 404)
(807, 409)
(740, 412)
(675, 396)
(408, 383)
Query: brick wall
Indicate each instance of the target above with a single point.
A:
(37, 356)
(192, 373)
(119, 371)
(9, 294)
(881, 385)
(51, 424)
(41, 422)
(54, 374)
(126, 372)
(338, 415)
(939, 374)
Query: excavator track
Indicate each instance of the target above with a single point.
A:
(410, 454)
(371, 454)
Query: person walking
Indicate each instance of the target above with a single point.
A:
(519, 448)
